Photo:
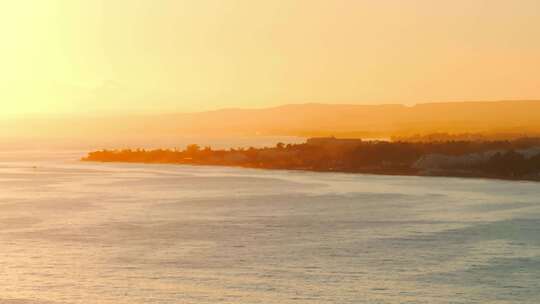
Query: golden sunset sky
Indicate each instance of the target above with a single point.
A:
(141, 56)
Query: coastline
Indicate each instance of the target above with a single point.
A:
(410, 172)
(505, 160)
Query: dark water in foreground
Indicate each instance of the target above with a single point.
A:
(75, 232)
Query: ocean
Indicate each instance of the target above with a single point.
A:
(73, 232)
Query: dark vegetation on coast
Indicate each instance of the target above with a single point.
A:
(507, 159)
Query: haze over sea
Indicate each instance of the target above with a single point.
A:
(75, 232)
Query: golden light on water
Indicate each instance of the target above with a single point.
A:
(280, 195)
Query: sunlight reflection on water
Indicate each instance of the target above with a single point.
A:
(76, 232)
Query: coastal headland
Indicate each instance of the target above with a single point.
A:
(517, 159)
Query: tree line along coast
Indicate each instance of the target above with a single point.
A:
(506, 159)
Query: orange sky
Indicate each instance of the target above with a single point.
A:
(98, 56)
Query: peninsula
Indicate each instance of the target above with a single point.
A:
(505, 159)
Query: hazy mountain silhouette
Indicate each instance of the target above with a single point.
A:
(521, 117)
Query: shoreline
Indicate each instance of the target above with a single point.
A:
(411, 172)
(504, 160)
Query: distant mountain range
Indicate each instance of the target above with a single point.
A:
(307, 120)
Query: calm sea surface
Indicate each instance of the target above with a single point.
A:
(74, 232)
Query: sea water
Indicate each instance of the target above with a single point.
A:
(74, 232)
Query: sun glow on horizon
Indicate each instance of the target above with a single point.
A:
(124, 56)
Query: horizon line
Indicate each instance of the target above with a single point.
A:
(222, 109)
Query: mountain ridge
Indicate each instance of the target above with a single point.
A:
(304, 120)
